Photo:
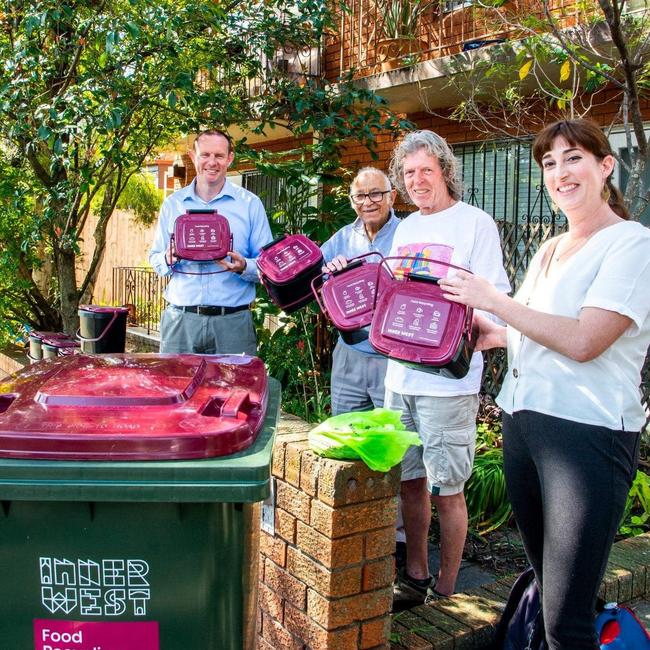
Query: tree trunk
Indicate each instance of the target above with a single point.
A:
(88, 285)
(69, 298)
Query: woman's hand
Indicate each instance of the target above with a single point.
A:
(337, 264)
(471, 290)
(489, 334)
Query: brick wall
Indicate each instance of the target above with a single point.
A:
(326, 572)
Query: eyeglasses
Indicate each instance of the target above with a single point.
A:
(375, 196)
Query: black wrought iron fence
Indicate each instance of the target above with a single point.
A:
(143, 289)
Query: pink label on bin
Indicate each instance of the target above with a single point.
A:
(415, 320)
(82, 635)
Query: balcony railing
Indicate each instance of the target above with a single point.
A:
(295, 62)
(143, 289)
(367, 43)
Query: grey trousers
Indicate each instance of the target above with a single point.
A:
(357, 380)
(184, 332)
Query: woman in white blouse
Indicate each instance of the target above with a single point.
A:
(577, 333)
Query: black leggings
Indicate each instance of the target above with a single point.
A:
(567, 483)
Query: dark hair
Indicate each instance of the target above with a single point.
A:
(589, 136)
(209, 132)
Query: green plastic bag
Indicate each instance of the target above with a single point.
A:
(377, 437)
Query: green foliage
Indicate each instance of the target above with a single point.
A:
(88, 91)
(488, 506)
(289, 355)
(554, 64)
(142, 197)
(20, 253)
(637, 507)
(401, 18)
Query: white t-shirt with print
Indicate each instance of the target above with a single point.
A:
(462, 235)
(611, 271)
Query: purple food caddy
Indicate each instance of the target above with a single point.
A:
(59, 347)
(36, 343)
(414, 324)
(102, 328)
(347, 297)
(287, 267)
(200, 236)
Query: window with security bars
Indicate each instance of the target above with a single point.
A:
(266, 187)
(502, 178)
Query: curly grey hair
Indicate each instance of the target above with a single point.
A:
(435, 146)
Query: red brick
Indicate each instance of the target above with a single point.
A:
(292, 454)
(309, 472)
(331, 553)
(277, 636)
(375, 632)
(379, 543)
(277, 461)
(263, 644)
(339, 612)
(273, 548)
(288, 586)
(342, 483)
(409, 639)
(271, 603)
(293, 501)
(284, 439)
(354, 518)
(378, 574)
(285, 525)
(342, 582)
(317, 637)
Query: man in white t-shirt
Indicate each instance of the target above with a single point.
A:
(442, 410)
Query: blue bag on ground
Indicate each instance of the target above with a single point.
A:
(618, 628)
(377, 437)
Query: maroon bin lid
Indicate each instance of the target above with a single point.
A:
(287, 257)
(348, 296)
(39, 336)
(133, 407)
(60, 343)
(104, 309)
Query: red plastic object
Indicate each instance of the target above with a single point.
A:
(201, 236)
(287, 267)
(133, 407)
(413, 323)
(347, 297)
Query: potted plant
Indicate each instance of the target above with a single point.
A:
(398, 25)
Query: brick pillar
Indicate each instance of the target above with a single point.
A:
(326, 572)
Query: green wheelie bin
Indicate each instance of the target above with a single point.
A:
(131, 489)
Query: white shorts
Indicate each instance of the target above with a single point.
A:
(447, 428)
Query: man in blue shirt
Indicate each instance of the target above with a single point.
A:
(358, 371)
(209, 313)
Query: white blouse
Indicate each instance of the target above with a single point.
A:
(611, 271)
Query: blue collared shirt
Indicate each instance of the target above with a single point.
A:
(250, 230)
(352, 241)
